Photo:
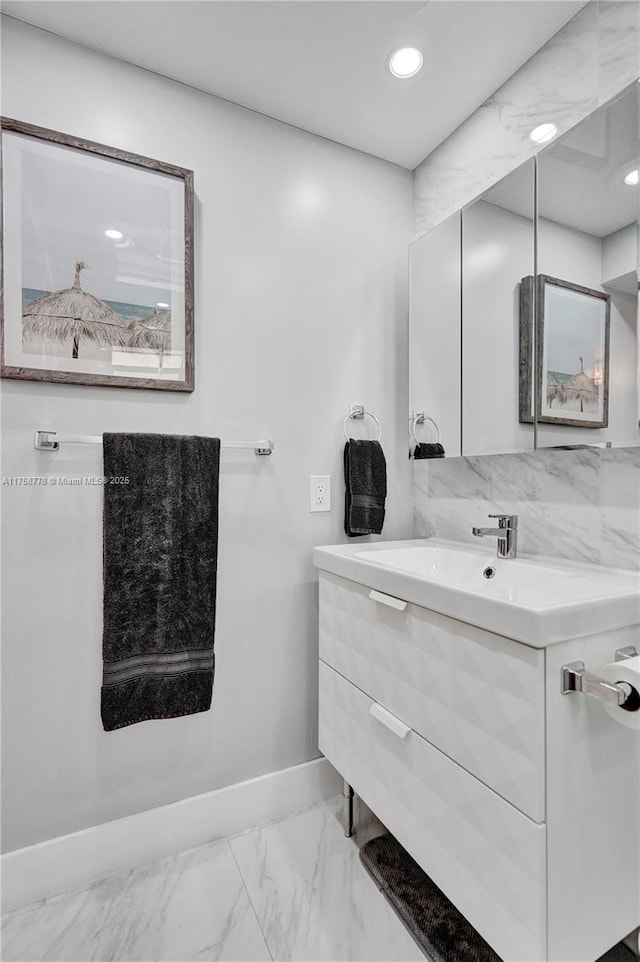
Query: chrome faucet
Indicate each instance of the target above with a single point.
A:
(506, 533)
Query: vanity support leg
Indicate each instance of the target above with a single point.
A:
(347, 807)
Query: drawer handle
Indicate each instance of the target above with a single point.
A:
(388, 720)
(388, 600)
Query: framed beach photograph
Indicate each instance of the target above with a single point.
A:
(97, 263)
(572, 339)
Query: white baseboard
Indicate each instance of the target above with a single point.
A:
(70, 861)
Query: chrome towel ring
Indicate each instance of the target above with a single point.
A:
(419, 417)
(358, 413)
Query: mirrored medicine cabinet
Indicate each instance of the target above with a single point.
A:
(524, 305)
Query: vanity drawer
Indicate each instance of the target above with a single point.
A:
(477, 696)
(483, 853)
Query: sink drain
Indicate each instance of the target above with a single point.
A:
(489, 572)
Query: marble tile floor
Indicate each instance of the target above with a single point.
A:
(293, 890)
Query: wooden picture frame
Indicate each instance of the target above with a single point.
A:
(96, 273)
(572, 333)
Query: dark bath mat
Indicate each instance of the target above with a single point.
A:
(433, 921)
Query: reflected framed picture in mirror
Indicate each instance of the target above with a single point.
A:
(572, 356)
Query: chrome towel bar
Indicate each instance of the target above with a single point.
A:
(51, 441)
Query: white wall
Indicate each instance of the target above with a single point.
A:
(620, 258)
(301, 280)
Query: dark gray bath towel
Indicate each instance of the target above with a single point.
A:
(160, 561)
(365, 480)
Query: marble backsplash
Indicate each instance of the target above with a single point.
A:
(591, 59)
(581, 505)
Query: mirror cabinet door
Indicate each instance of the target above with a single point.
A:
(587, 292)
(434, 338)
(491, 380)
(497, 252)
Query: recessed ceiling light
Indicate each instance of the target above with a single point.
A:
(114, 234)
(405, 62)
(162, 304)
(632, 178)
(543, 133)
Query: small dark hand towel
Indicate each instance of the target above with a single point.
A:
(365, 478)
(424, 450)
(160, 563)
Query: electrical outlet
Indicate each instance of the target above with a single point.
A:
(319, 492)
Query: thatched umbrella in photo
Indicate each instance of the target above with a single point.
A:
(73, 314)
(582, 388)
(151, 333)
(555, 389)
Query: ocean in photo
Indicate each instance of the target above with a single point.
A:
(127, 312)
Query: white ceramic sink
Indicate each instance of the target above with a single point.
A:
(535, 601)
(526, 582)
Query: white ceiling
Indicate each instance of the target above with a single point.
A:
(321, 64)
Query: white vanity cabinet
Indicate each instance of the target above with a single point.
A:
(519, 802)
